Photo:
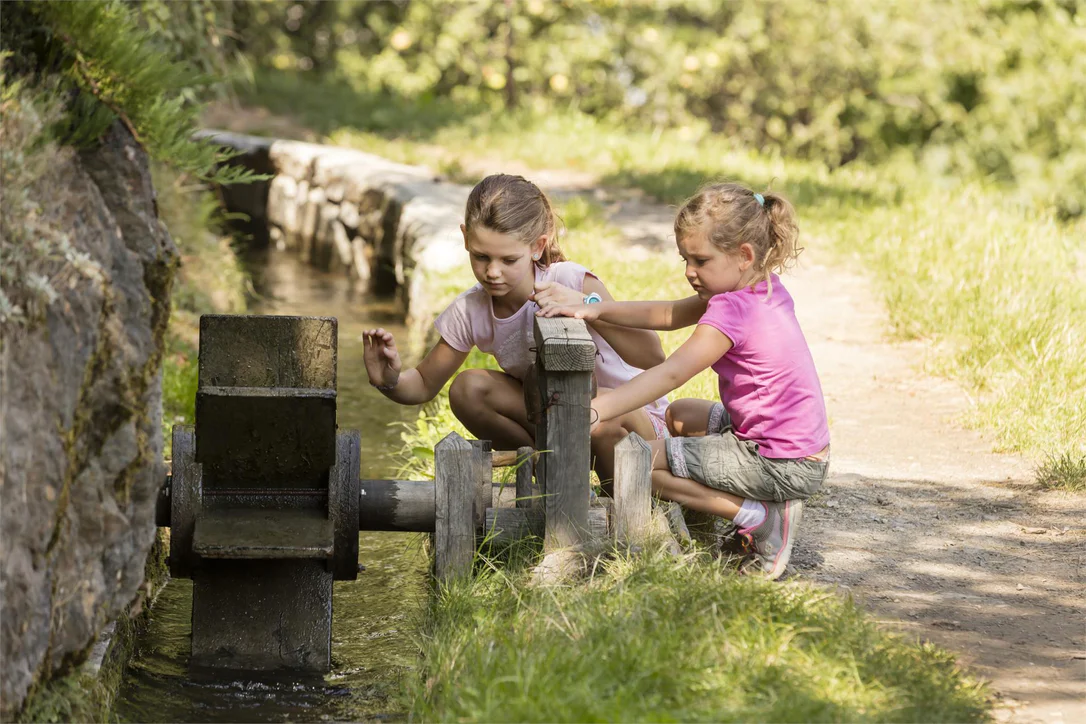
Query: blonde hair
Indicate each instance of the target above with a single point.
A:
(731, 215)
(514, 205)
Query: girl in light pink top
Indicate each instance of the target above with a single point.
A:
(509, 232)
(753, 457)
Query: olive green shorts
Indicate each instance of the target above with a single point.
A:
(722, 461)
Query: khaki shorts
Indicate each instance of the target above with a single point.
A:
(722, 461)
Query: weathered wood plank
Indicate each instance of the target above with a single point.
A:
(633, 489)
(527, 494)
(505, 525)
(454, 492)
(483, 476)
(564, 345)
(565, 359)
(504, 458)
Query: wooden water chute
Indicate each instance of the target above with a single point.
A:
(265, 502)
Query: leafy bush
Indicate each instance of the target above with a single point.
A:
(995, 88)
(98, 58)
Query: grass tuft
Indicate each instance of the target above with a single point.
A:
(1063, 472)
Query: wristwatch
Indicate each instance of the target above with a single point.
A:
(592, 298)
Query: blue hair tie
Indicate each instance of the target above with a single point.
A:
(760, 199)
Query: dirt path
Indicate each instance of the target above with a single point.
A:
(940, 537)
(920, 520)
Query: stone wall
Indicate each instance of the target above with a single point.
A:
(81, 445)
(391, 225)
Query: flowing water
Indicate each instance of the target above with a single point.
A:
(373, 618)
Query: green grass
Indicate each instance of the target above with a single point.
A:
(1063, 472)
(660, 639)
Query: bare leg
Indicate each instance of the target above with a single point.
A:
(688, 417)
(689, 493)
(491, 405)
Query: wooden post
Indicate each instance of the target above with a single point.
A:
(525, 465)
(483, 476)
(454, 495)
(565, 358)
(633, 489)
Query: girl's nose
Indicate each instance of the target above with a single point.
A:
(493, 272)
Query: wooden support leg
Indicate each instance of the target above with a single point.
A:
(482, 478)
(566, 356)
(454, 496)
(633, 490)
(526, 494)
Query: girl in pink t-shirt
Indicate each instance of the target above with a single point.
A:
(510, 235)
(753, 457)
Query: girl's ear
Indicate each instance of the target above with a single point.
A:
(746, 256)
(538, 246)
(464, 231)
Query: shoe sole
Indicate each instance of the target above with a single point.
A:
(793, 514)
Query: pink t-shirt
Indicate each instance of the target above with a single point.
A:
(470, 322)
(768, 381)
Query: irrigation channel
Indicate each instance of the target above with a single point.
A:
(374, 617)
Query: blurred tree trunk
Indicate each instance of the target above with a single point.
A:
(510, 64)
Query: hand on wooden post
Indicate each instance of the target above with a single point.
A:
(587, 312)
(553, 294)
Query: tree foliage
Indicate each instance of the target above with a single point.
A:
(989, 87)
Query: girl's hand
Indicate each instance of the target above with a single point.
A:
(553, 294)
(587, 312)
(381, 357)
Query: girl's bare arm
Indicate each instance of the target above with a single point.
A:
(638, 347)
(704, 347)
(640, 315)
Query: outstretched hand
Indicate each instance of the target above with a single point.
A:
(381, 357)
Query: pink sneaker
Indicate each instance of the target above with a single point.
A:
(772, 540)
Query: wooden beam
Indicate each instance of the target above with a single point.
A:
(633, 490)
(565, 358)
(406, 505)
(504, 458)
(483, 475)
(505, 525)
(564, 345)
(454, 492)
(527, 492)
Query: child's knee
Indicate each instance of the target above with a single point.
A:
(678, 416)
(470, 389)
(687, 416)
